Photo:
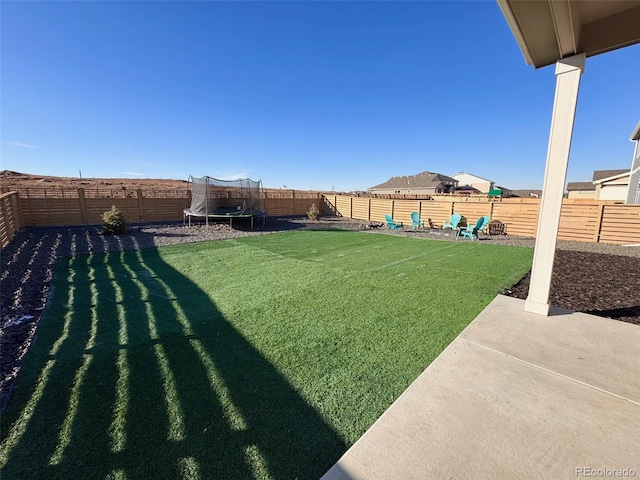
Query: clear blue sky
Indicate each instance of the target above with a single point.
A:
(311, 95)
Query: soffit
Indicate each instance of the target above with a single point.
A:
(548, 30)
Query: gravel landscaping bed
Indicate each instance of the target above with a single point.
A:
(596, 278)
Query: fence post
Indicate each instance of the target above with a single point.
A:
(596, 233)
(350, 207)
(140, 204)
(369, 213)
(293, 202)
(83, 207)
(11, 217)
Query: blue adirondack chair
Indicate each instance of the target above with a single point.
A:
(392, 225)
(453, 222)
(415, 221)
(472, 230)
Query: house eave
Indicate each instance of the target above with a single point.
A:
(549, 30)
(613, 177)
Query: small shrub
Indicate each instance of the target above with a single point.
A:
(313, 212)
(114, 222)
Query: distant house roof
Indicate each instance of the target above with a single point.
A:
(526, 193)
(601, 174)
(575, 186)
(421, 180)
(472, 175)
(624, 173)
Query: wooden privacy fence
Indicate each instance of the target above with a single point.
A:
(76, 208)
(292, 203)
(83, 210)
(11, 221)
(582, 221)
(585, 222)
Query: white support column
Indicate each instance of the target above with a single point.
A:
(568, 72)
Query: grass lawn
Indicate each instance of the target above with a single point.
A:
(260, 357)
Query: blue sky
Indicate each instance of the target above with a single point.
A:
(311, 95)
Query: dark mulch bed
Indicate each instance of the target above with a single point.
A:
(603, 285)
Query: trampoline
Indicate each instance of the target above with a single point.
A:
(224, 200)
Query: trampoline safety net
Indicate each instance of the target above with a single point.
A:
(215, 198)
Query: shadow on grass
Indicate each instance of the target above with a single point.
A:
(136, 374)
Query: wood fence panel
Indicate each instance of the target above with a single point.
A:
(471, 211)
(46, 212)
(6, 224)
(329, 205)
(127, 206)
(279, 206)
(578, 222)
(402, 210)
(438, 212)
(520, 218)
(6, 233)
(379, 208)
(15, 220)
(620, 224)
(302, 205)
(589, 201)
(11, 220)
(343, 204)
(162, 209)
(360, 207)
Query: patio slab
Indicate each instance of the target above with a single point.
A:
(516, 396)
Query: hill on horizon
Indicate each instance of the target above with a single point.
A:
(18, 181)
(10, 180)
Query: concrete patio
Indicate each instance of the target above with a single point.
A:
(515, 396)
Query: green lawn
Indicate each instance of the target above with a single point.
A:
(260, 357)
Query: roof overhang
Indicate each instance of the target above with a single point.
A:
(613, 177)
(635, 136)
(549, 30)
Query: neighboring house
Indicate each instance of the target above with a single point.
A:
(468, 180)
(526, 193)
(633, 194)
(425, 182)
(467, 190)
(581, 190)
(506, 192)
(613, 187)
(606, 185)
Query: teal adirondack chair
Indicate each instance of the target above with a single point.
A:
(472, 230)
(392, 225)
(415, 221)
(453, 222)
